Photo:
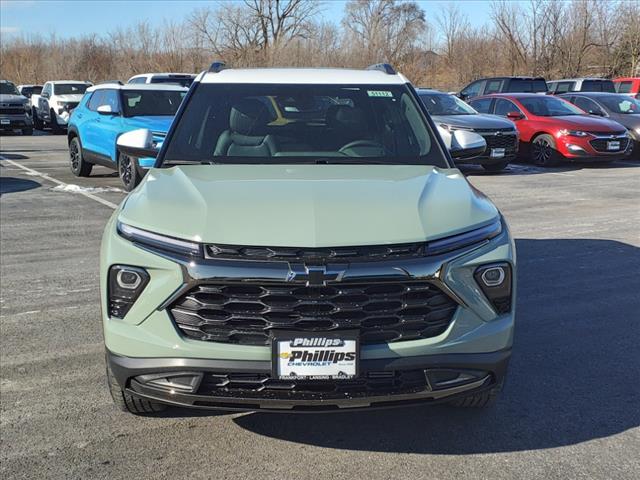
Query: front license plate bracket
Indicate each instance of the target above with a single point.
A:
(315, 356)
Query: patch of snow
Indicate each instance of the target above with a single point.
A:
(71, 188)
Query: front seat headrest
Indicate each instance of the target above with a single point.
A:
(247, 116)
(346, 118)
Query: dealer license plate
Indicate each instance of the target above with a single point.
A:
(4, 121)
(329, 356)
(497, 152)
(613, 145)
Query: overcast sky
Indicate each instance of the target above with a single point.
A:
(68, 18)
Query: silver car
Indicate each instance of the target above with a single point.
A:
(450, 113)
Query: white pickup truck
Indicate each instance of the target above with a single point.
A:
(53, 106)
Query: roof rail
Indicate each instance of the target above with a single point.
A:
(217, 66)
(109, 81)
(383, 67)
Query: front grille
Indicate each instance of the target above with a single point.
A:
(245, 313)
(600, 144)
(248, 385)
(348, 254)
(507, 141)
(12, 111)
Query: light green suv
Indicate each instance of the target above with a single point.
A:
(304, 243)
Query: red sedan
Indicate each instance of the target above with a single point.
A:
(552, 129)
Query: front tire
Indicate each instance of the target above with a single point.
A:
(543, 151)
(479, 400)
(128, 172)
(37, 123)
(495, 167)
(79, 167)
(55, 128)
(128, 403)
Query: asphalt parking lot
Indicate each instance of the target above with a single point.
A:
(570, 408)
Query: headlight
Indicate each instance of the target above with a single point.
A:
(452, 128)
(572, 133)
(464, 239)
(159, 242)
(125, 286)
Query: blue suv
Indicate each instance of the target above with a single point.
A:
(109, 110)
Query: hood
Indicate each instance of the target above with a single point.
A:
(70, 97)
(479, 121)
(154, 123)
(306, 205)
(4, 98)
(629, 120)
(590, 123)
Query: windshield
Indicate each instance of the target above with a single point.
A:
(183, 82)
(549, 107)
(70, 88)
(444, 104)
(621, 104)
(597, 86)
(151, 103)
(280, 123)
(8, 88)
(526, 85)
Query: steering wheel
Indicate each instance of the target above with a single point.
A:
(361, 143)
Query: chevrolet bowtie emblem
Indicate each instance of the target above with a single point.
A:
(314, 275)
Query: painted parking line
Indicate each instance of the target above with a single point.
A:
(33, 172)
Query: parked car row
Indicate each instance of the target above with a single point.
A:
(603, 127)
(517, 84)
(584, 120)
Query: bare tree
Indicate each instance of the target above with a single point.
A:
(383, 29)
(453, 24)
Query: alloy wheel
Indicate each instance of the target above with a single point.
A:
(74, 155)
(126, 169)
(542, 151)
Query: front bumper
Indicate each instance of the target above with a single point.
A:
(147, 340)
(138, 377)
(582, 149)
(13, 122)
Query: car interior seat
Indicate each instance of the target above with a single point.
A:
(246, 135)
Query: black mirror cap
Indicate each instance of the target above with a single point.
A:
(137, 152)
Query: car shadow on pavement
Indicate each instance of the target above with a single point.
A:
(521, 168)
(573, 376)
(15, 185)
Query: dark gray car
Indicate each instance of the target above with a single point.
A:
(621, 108)
(14, 109)
(451, 113)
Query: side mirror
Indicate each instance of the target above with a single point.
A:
(105, 110)
(137, 144)
(44, 95)
(514, 116)
(466, 145)
(598, 113)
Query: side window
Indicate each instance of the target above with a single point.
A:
(472, 90)
(587, 105)
(110, 97)
(564, 87)
(47, 89)
(483, 105)
(138, 80)
(623, 87)
(96, 100)
(493, 86)
(505, 106)
(551, 86)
